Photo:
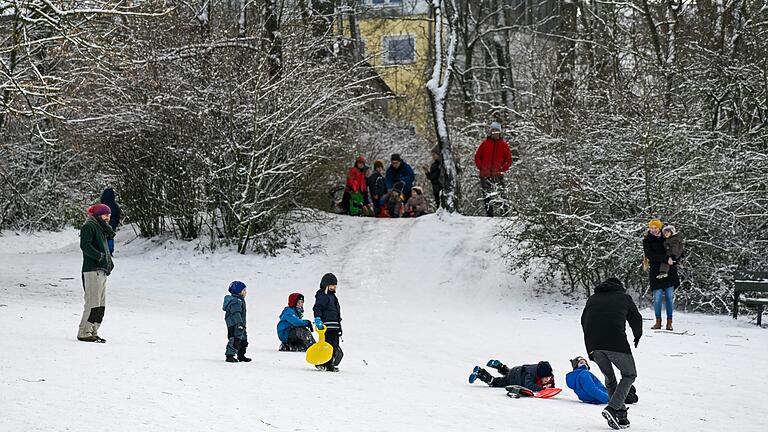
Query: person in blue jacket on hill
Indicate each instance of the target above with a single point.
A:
(399, 171)
(588, 387)
(234, 317)
(294, 332)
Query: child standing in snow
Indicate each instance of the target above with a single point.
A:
(328, 316)
(533, 377)
(294, 332)
(673, 244)
(417, 205)
(234, 317)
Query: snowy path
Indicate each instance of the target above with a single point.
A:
(423, 301)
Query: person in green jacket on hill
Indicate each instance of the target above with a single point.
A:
(97, 265)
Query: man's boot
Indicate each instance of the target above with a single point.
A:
(241, 355)
(622, 418)
(669, 324)
(657, 326)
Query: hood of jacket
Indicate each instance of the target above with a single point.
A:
(229, 299)
(609, 285)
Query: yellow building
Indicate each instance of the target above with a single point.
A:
(397, 46)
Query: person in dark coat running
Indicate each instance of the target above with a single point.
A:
(108, 198)
(604, 323)
(492, 159)
(534, 377)
(399, 171)
(328, 316)
(97, 265)
(655, 254)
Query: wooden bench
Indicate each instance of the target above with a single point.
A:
(750, 282)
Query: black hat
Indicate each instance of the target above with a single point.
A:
(328, 279)
(575, 362)
(543, 369)
(396, 157)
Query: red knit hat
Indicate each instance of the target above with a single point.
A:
(294, 298)
(98, 210)
(360, 158)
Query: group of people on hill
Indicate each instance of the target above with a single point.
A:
(388, 194)
(603, 324)
(392, 192)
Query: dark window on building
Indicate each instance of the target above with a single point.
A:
(399, 49)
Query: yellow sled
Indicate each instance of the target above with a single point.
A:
(320, 352)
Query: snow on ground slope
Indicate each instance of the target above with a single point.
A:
(423, 301)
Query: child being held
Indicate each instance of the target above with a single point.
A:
(673, 244)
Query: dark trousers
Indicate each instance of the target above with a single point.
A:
(625, 363)
(332, 337)
(436, 189)
(492, 188)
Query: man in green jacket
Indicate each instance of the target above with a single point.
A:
(97, 265)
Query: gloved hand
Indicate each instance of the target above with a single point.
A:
(309, 326)
(319, 323)
(637, 341)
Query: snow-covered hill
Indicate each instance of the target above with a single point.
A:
(423, 301)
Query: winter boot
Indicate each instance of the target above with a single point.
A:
(100, 339)
(241, 356)
(481, 374)
(622, 418)
(499, 366)
(232, 359)
(657, 326)
(669, 324)
(611, 415)
(88, 339)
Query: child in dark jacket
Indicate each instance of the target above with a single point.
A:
(395, 199)
(377, 186)
(234, 316)
(673, 244)
(294, 332)
(328, 315)
(533, 377)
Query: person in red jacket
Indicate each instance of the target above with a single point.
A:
(355, 200)
(492, 159)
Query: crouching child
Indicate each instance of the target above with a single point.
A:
(234, 317)
(294, 332)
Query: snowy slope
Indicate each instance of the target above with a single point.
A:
(423, 301)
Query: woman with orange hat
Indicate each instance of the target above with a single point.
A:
(653, 249)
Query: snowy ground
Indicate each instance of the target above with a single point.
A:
(423, 301)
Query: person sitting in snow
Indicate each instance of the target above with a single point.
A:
(295, 333)
(234, 317)
(395, 207)
(417, 205)
(534, 377)
(328, 316)
(377, 186)
(588, 387)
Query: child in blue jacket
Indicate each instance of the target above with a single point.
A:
(588, 387)
(294, 332)
(234, 317)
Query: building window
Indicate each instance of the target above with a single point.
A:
(399, 49)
